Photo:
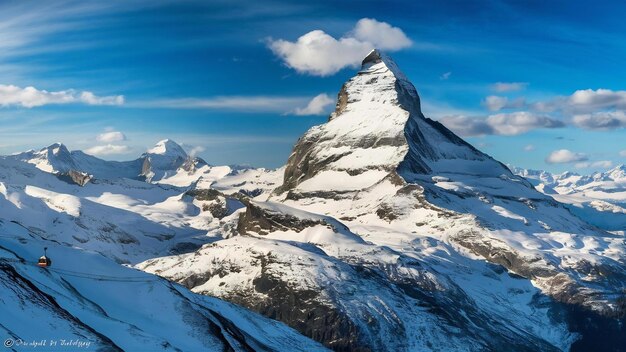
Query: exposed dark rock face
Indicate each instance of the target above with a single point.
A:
(205, 194)
(75, 177)
(262, 222)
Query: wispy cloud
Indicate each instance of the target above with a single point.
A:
(278, 104)
(503, 87)
(25, 25)
(29, 97)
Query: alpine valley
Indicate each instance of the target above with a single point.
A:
(384, 231)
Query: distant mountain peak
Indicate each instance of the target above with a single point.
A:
(167, 147)
(57, 148)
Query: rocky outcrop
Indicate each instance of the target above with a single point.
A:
(75, 177)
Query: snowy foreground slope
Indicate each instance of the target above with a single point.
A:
(384, 231)
(599, 198)
(90, 301)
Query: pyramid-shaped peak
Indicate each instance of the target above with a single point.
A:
(57, 148)
(377, 61)
(167, 147)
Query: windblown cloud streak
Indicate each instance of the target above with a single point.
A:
(30, 97)
(250, 104)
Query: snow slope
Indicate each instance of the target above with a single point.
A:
(88, 298)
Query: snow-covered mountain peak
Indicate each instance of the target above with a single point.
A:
(169, 148)
(377, 129)
(617, 173)
(57, 148)
(379, 62)
(53, 158)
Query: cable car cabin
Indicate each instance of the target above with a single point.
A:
(44, 262)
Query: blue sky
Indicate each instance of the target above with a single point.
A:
(533, 83)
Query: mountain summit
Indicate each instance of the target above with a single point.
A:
(168, 147)
(378, 127)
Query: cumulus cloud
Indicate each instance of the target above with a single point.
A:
(623, 153)
(496, 103)
(467, 126)
(317, 53)
(529, 148)
(520, 122)
(502, 87)
(317, 106)
(30, 97)
(584, 101)
(381, 34)
(602, 164)
(108, 149)
(111, 137)
(563, 156)
(501, 124)
(600, 109)
(589, 99)
(601, 120)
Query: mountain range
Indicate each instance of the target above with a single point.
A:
(384, 231)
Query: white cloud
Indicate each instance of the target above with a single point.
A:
(529, 148)
(584, 101)
(496, 103)
(502, 87)
(623, 153)
(320, 54)
(108, 149)
(520, 122)
(317, 106)
(381, 34)
(601, 120)
(91, 99)
(445, 76)
(501, 124)
(602, 164)
(235, 103)
(30, 97)
(466, 126)
(111, 137)
(598, 99)
(563, 156)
